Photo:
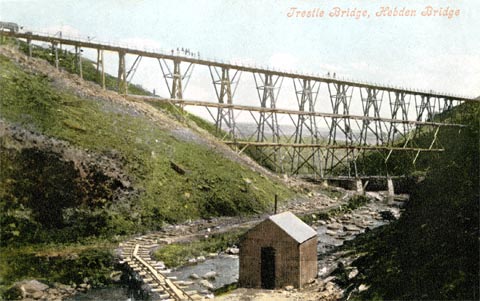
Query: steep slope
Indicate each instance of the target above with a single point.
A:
(431, 253)
(78, 161)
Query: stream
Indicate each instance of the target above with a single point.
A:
(331, 234)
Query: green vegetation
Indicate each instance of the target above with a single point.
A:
(177, 254)
(212, 185)
(353, 203)
(431, 252)
(45, 199)
(68, 62)
(73, 264)
(69, 266)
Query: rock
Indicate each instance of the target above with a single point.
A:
(53, 291)
(353, 274)
(330, 287)
(32, 286)
(194, 276)
(192, 260)
(329, 279)
(324, 296)
(37, 295)
(83, 286)
(116, 276)
(201, 258)
(322, 222)
(374, 195)
(207, 284)
(289, 288)
(322, 271)
(331, 233)
(210, 275)
(363, 287)
(334, 226)
(233, 251)
(351, 228)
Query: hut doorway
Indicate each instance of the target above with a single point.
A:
(268, 268)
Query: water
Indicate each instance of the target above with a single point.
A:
(227, 266)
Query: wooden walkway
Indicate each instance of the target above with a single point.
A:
(136, 254)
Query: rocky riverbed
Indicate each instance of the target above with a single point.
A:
(209, 273)
(36, 290)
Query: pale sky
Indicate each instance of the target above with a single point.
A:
(427, 52)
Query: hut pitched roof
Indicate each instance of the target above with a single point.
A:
(293, 226)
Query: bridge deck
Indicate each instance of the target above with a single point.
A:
(164, 55)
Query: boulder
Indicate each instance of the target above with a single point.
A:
(194, 276)
(207, 284)
(331, 233)
(37, 295)
(210, 275)
(351, 228)
(353, 274)
(334, 226)
(289, 288)
(116, 276)
(32, 286)
(233, 251)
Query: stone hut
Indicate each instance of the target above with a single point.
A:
(280, 251)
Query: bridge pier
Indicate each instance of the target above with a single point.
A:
(359, 186)
(224, 95)
(122, 75)
(340, 99)
(390, 187)
(29, 44)
(306, 93)
(100, 68)
(78, 60)
(372, 101)
(55, 52)
(176, 88)
(268, 89)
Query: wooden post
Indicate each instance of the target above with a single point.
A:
(122, 77)
(55, 49)
(391, 190)
(78, 60)
(29, 42)
(100, 65)
(276, 203)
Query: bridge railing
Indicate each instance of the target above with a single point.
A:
(233, 64)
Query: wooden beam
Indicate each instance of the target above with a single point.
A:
(104, 46)
(284, 111)
(323, 146)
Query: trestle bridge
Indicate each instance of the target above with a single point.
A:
(334, 122)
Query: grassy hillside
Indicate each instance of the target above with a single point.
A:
(174, 174)
(79, 167)
(432, 252)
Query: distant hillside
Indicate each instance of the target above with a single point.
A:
(79, 162)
